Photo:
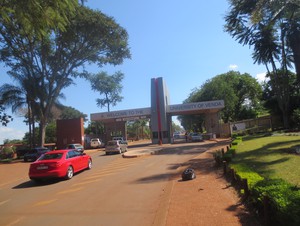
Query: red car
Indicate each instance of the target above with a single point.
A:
(59, 164)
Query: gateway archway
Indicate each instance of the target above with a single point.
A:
(160, 114)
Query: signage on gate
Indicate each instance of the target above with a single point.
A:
(196, 106)
(133, 113)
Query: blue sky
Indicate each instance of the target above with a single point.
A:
(181, 41)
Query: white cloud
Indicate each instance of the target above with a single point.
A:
(233, 66)
(10, 133)
(261, 77)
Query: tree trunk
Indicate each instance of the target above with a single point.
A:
(294, 40)
(42, 133)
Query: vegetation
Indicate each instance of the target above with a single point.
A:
(240, 92)
(4, 118)
(44, 58)
(109, 86)
(138, 129)
(269, 163)
(271, 28)
(7, 154)
(271, 156)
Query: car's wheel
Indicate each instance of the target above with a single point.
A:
(90, 164)
(25, 159)
(70, 173)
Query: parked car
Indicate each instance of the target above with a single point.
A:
(59, 164)
(120, 139)
(77, 147)
(96, 143)
(195, 137)
(35, 153)
(116, 146)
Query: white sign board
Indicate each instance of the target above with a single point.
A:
(196, 106)
(121, 114)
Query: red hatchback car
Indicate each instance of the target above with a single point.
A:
(59, 164)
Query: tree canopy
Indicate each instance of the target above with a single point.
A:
(109, 86)
(50, 61)
(240, 92)
(271, 27)
(36, 17)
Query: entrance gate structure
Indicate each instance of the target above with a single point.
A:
(160, 114)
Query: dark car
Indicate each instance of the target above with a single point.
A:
(35, 153)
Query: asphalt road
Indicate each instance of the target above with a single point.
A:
(116, 191)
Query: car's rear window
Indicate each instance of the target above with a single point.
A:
(112, 143)
(52, 156)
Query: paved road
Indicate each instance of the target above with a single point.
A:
(117, 191)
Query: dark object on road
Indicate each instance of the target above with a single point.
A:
(188, 174)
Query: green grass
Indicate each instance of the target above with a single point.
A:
(270, 156)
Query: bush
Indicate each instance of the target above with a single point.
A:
(218, 156)
(7, 153)
(284, 201)
(245, 172)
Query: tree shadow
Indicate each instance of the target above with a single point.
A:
(253, 158)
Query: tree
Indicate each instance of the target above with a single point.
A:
(272, 28)
(281, 95)
(37, 17)
(138, 129)
(109, 86)
(240, 92)
(4, 118)
(95, 127)
(68, 112)
(53, 59)
(20, 96)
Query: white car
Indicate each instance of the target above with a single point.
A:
(195, 137)
(96, 143)
(115, 146)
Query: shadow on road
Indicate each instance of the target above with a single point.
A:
(30, 184)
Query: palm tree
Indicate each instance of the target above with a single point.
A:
(20, 96)
(272, 28)
(266, 25)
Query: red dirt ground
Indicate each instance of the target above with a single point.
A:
(208, 200)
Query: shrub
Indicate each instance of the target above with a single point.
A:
(246, 173)
(7, 153)
(284, 201)
(218, 156)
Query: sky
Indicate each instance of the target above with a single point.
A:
(181, 41)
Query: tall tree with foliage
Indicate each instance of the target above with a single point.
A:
(240, 92)
(109, 86)
(37, 17)
(281, 95)
(20, 96)
(272, 28)
(53, 59)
